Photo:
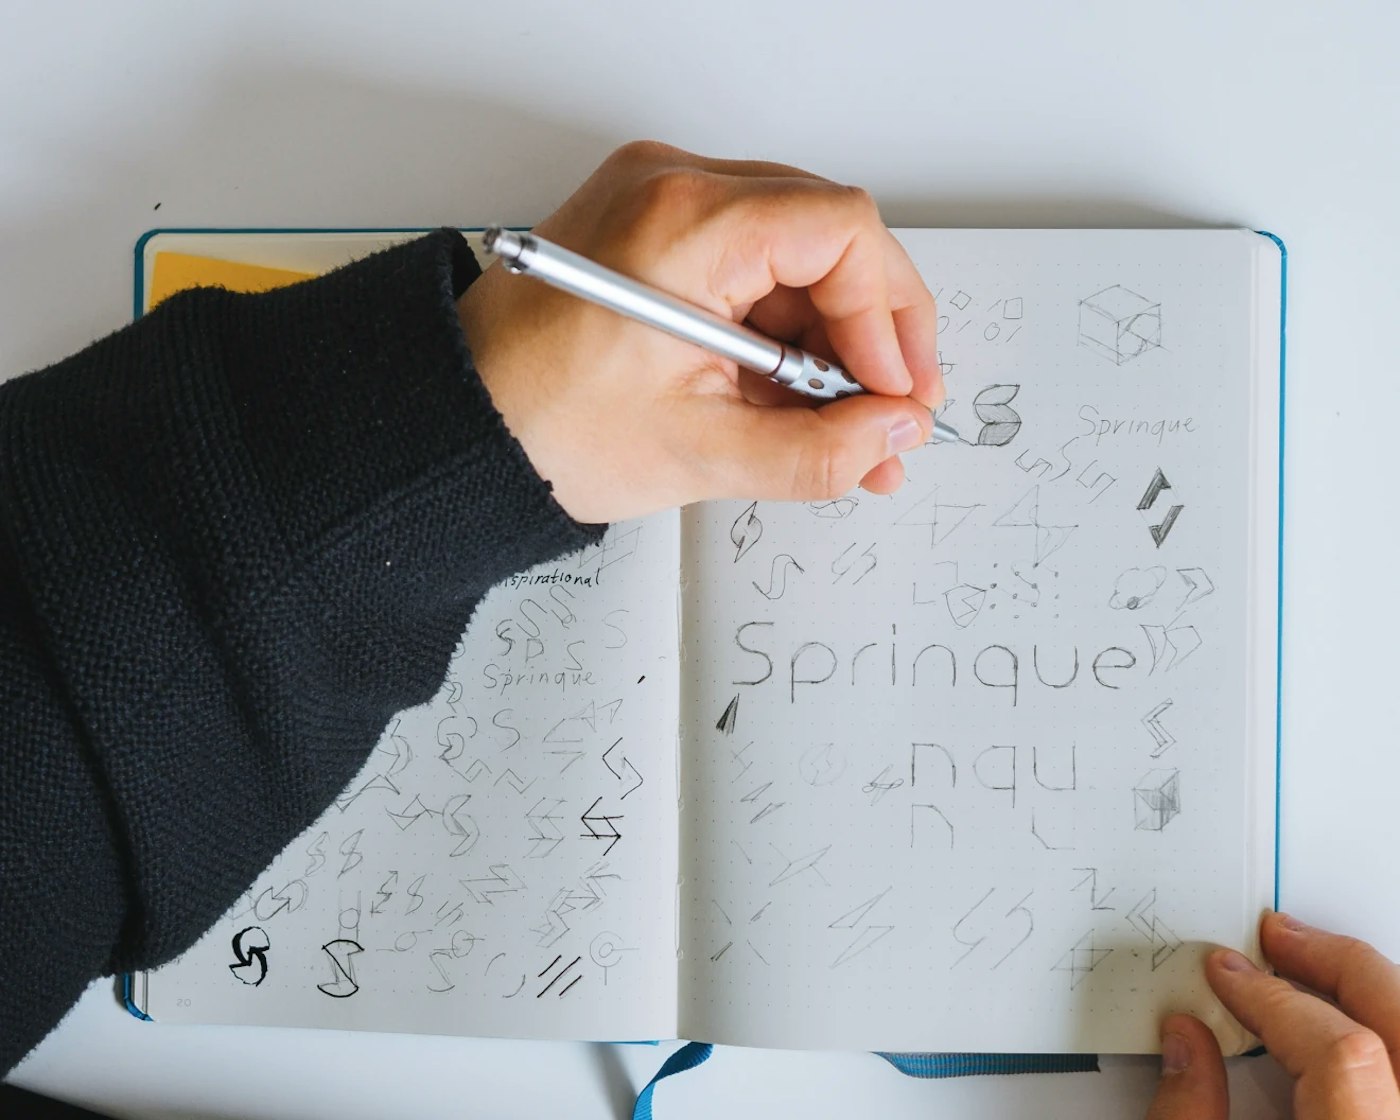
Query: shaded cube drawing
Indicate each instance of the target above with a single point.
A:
(1119, 324)
(1156, 799)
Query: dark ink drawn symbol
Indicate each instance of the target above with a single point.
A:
(272, 902)
(746, 531)
(921, 822)
(866, 933)
(341, 952)
(1198, 586)
(606, 951)
(1000, 422)
(250, 947)
(836, 510)
(729, 717)
(1081, 960)
(1025, 514)
(1091, 880)
(558, 976)
(869, 565)
(414, 889)
(942, 520)
(545, 833)
(1154, 488)
(1136, 587)
(410, 814)
(590, 818)
(1160, 735)
(621, 771)
(880, 785)
(1156, 799)
(501, 880)
(777, 576)
(350, 849)
(1143, 918)
(1119, 324)
(461, 824)
(754, 796)
(1171, 645)
(821, 765)
(798, 866)
(964, 604)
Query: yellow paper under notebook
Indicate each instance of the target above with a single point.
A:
(175, 272)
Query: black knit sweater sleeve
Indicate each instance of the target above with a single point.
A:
(235, 538)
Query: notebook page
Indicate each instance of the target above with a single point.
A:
(969, 767)
(505, 864)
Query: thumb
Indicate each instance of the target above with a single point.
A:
(1193, 1085)
(806, 454)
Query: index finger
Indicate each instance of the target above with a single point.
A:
(1342, 1068)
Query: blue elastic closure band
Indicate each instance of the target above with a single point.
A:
(687, 1057)
(973, 1065)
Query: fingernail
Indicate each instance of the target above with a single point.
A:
(1176, 1054)
(1232, 961)
(904, 435)
(1289, 922)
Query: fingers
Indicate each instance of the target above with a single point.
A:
(1342, 1068)
(1364, 983)
(803, 454)
(1193, 1085)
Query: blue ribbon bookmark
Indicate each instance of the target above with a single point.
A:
(687, 1057)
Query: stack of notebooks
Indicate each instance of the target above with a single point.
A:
(985, 765)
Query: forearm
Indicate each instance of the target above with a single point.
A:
(245, 532)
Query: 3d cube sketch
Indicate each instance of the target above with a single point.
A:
(1119, 324)
(1156, 799)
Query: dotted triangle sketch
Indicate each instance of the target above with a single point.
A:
(1025, 514)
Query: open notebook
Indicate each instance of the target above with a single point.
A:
(984, 765)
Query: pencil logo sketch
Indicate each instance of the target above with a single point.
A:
(798, 866)
(866, 933)
(866, 562)
(1000, 422)
(838, 509)
(1160, 735)
(1149, 499)
(1118, 324)
(1081, 960)
(822, 764)
(929, 827)
(1091, 880)
(1025, 514)
(1156, 799)
(1171, 645)
(623, 771)
(545, 833)
(942, 519)
(1198, 586)
(250, 948)
(1136, 587)
(1143, 918)
(746, 531)
(606, 951)
(777, 576)
(964, 604)
(501, 880)
(600, 827)
(729, 716)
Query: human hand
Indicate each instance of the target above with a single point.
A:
(624, 420)
(1344, 1054)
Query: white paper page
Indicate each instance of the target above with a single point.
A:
(506, 862)
(967, 768)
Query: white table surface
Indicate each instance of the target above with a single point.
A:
(1279, 114)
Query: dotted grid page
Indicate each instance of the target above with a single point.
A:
(505, 864)
(970, 767)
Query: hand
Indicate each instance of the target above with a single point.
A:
(1344, 1054)
(624, 420)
